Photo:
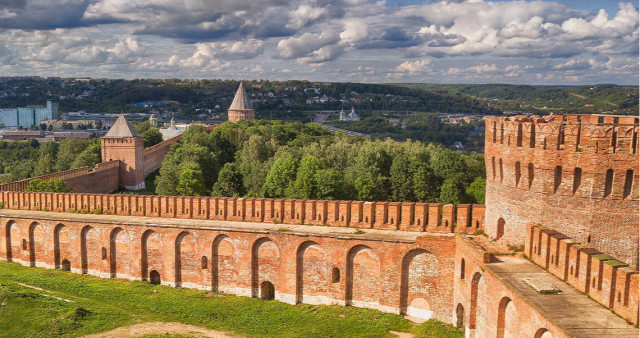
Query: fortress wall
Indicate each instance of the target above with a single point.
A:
(606, 280)
(395, 276)
(407, 216)
(154, 155)
(577, 175)
(102, 179)
(478, 296)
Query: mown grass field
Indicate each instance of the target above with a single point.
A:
(75, 305)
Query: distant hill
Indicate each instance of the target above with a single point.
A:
(601, 98)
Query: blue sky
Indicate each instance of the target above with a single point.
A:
(457, 41)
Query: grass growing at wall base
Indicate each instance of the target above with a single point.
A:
(75, 305)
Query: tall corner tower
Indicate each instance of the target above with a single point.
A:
(123, 143)
(241, 108)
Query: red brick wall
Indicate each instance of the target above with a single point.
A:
(585, 205)
(154, 155)
(380, 215)
(605, 279)
(392, 276)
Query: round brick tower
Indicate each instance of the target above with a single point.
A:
(574, 174)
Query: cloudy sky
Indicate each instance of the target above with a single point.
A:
(456, 41)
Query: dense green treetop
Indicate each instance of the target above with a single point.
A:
(293, 160)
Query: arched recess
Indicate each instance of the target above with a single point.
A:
(500, 228)
(420, 270)
(151, 254)
(36, 243)
(90, 250)
(363, 277)
(119, 258)
(543, 333)
(265, 261)
(62, 246)
(473, 306)
(224, 273)
(503, 312)
(312, 273)
(460, 316)
(187, 261)
(12, 236)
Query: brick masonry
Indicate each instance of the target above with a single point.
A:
(577, 175)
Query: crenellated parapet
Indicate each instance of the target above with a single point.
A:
(577, 174)
(407, 216)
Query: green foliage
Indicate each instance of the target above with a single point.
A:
(477, 189)
(68, 151)
(150, 134)
(229, 182)
(435, 329)
(190, 181)
(89, 157)
(294, 160)
(52, 185)
(280, 177)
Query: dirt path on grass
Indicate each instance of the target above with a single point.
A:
(159, 328)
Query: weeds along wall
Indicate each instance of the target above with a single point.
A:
(408, 216)
(574, 174)
(606, 280)
(103, 178)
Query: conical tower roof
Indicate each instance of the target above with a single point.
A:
(121, 129)
(241, 101)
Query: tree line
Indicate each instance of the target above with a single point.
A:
(275, 159)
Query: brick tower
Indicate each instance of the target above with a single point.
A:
(241, 108)
(123, 143)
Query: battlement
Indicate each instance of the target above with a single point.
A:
(407, 216)
(576, 174)
(606, 280)
(578, 133)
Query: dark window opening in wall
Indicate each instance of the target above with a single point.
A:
(608, 183)
(104, 253)
(66, 265)
(267, 291)
(532, 140)
(462, 268)
(494, 132)
(619, 296)
(530, 174)
(561, 137)
(589, 239)
(205, 262)
(154, 277)
(460, 316)
(493, 167)
(593, 282)
(614, 140)
(577, 179)
(557, 179)
(518, 173)
(500, 229)
(571, 272)
(24, 244)
(628, 184)
(501, 172)
(634, 142)
(335, 275)
(519, 137)
(502, 134)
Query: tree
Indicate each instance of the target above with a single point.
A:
(401, 178)
(477, 189)
(329, 184)
(281, 175)
(229, 182)
(88, 157)
(44, 165)
(426, 185)
(69, 149)
(190, 180)
(304, 185)
(151, 137)
(450, 192)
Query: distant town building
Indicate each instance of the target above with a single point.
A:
(241, 108)
(26, 117)
(351, 117)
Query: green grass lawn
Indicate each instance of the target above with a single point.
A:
(75, 305)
